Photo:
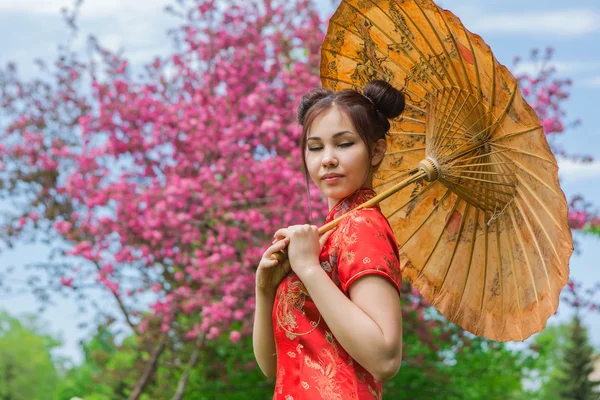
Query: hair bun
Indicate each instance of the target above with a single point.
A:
(310, 99)
(386, 98)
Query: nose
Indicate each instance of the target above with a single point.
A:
(329, 159)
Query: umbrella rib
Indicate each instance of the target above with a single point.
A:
(533, 175)
(446, 193)
(493, 92)
(448, 128)
(527, 262)
(537, 246)
(486, 200)
(393, 178)
(438, 76)
(378, 73)
(481, 180)
(416, 121)
(411, 198)
(406, 150)
(429, 44)
(471, 252)
(394, 42)
(485, 263)
(406, 133)
(475, 158)
(470, 139)
(444, 133)
(462, 63)
(501, 278)
(475, 64)
(465, 130)
(421, 272)
(506, 108)
(525, 153)
(441, 44)
(459, 234)
(457, 166)
(483, 172)
(513, 134)
(539, 221)
(444, 113)
(514, 274)
(542, 203)
(467, 193)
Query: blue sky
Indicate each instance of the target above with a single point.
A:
(33, 28)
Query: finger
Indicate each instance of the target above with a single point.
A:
(280, 233)
(324, 237)
(268, 263)
(278, 246)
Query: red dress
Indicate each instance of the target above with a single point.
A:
(311, 364)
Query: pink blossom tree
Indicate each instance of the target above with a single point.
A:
(164, 187)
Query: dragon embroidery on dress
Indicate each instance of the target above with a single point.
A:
(292, 300)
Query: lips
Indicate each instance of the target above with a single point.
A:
(331, 176)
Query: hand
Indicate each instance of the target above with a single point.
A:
(304, 246)
(269, 273)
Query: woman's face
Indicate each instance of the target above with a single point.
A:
(337, 159)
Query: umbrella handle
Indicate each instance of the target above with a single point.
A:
(282, 255)
(419, 173)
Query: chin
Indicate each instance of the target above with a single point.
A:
(337, 192)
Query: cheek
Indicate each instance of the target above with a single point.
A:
(312, 164)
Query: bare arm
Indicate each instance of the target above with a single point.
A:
(263, 339)
(368, 325)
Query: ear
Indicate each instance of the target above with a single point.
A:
(379, 150)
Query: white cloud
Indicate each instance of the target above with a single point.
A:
(594, 81)
(138, 27)
(573, 22)
(572, 171)
(562, 67)
(90, 8)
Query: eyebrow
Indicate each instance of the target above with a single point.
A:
(334, 135)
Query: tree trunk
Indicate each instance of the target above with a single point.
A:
(150, 368)
(186, 374)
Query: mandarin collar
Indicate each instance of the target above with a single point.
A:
(350, 202)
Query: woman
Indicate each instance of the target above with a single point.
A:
(331, 328)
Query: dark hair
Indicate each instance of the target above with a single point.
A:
(369, 111)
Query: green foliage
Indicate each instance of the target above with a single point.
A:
(108, 372)
(462, 368)
(577, 365)
(27, 371)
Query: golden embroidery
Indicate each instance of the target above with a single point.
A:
(366, 260)
(373, 392)
(305, 385)
(292, 299)
(291, 354)
(326, 369)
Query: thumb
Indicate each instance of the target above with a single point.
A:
(324, 237)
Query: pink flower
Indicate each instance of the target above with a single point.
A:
(235, 336)
(66, 281)
(577, 219)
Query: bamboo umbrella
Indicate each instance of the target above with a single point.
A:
(483, 232)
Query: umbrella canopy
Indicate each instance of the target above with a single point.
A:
(483, 231)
